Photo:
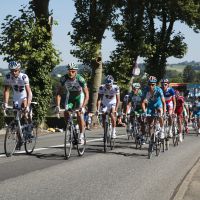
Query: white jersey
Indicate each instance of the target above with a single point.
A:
(109, 95)
(18, 85)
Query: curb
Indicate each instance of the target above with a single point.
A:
(183, 186)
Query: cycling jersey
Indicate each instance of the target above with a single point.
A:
(169, 94)
(18, 86)
(135, 100)
(179, 105)
(154, 100)
(196, 108)
(109, 95)
(74, 90)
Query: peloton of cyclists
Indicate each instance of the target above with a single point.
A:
(108, 101)
(170, 101)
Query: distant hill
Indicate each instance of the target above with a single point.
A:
(61, 70)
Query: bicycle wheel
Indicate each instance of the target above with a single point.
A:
(129, 130)
(158, 146)
(11, 139)
(68, 141)
(150, 148)
(31, 138)
(81, 147)
(167, 143)
(105, 139)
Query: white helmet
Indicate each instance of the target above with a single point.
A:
(14, 65)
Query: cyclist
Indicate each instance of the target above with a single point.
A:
(170, 101)
(134, 102)
(196, 111)
(77, 95)
(186, 113)
(179, 111)
(22, 95)
(153, 101)
(19, 82)
(108, 101)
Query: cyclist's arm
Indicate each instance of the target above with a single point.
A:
(174, 103)
(143, 104)
(58, 95)
(164, 104)
(29, 95)
(100, 96)
(117, 102)
(128, 107)
(86, 96)
(6, 93)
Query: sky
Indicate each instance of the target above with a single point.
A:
(63, 13)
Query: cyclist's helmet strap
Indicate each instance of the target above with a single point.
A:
(14, 65)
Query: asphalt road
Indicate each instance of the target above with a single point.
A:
(123, 173)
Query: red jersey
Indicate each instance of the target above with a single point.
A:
(179, 105)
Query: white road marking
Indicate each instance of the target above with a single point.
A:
(59, 145)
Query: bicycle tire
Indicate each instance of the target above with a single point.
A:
(81, 147)
(105, 139)
(129, 130)
(30, 142)
(68, 142)
(11, 139)
(167, 143)
(150, 149)
(158, 147)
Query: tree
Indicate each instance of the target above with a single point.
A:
(91, 20)
(129, 32)
(188, 74)
(25, 40)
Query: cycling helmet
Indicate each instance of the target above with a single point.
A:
(109, 80)
(72, 66)
(136, 85)
(164, 81)
(152, 79)
(14, 65)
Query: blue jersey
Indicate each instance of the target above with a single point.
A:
(154, 100)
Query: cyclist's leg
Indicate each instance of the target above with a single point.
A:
(111, 110)
(179, 120)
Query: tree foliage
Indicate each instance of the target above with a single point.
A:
(188, 74)
(91, 20)
(25, 40)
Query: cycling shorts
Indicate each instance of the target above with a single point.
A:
(107, 108)
(74, 102)
(169, 105)
(151, 109)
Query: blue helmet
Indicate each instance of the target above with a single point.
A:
(164, 81)
(152, 79)
(109, 80)
(14, 65)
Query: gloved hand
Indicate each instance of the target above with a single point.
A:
(144, 114)
(97, 113)
(4, 106)
(27, 109)
(57, 109)
(82, 110)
